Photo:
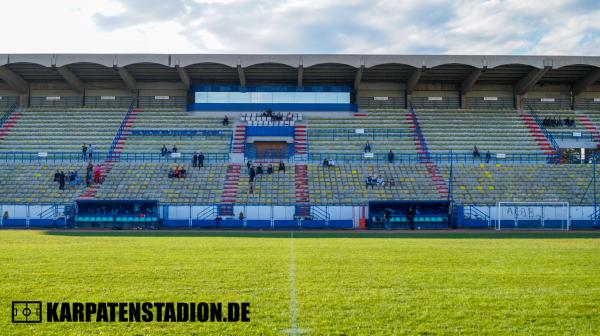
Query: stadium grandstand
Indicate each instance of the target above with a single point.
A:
(299, 141)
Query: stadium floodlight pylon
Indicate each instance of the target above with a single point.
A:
(533, 216)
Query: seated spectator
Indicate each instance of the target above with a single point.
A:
(367, 147)
(379, 180)
(331, 163)
(281, 166)
(488, 156)
(370, 182)
(270, 169)
(289, 117)
(325, 163)
(174, 150)
(259, 170)
(226, 121)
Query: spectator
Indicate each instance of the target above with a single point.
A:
(163, 150)
(387, 216)
(84, 151)
(241, 216)
(488, 156)
(226, 121)
(174, 150)
(281, 166)
(410, 215)
(379, 181)
(476, 152)
(5, 216)
(248, 165)
(97, 175)
(251, 187)
(201, 160)
(259, 170)
(88, 178)
(367, 147)
(61, 180)
(391, 156)
(369, 182)
(270, 169)
(331, 163)
(56, 176)
(325, 163)
(252, 174)
(195, 160)
(90, 151)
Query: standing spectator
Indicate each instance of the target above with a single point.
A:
(270, 169)
(90, 151)
(61, 180)
(5, 216)
(226, 120)
(367, 147)
(259, 170)
(476, 152)
(391, 156)
(281, 166)
(84, 151)
(248, 165)
(163, 150)
(56, 176)
(195, 160)
(387, 216)
(88, 178)
(252, 174)
(241, 216)
(410, 215)
(488, 156)
(325, 163)
(201, 160)
(174, 150)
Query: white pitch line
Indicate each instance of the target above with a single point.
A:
(293, 330)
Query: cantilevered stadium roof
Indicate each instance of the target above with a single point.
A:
(17, 70)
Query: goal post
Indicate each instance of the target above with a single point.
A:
(533, 216)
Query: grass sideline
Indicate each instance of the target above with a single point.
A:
(423, 283)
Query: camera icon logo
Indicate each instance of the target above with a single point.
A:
(26, 311)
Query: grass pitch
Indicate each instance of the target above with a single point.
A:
(346, 283)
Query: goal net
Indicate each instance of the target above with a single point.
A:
(533, 215)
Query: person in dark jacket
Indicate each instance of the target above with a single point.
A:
(410, 215)
(84, 151)
(200, 160)
(252, 174)
(391, 156)
(61, 180)
(195, 160)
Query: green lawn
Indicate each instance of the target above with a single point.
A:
(346, 283)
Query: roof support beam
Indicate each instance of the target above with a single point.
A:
(414, 79)
(469, 82)
(300, 74)
(14, 80)
(241, 75)
(358, 77)
(185, 78)
(71, 78)
(530, 80)
(128, 79)
(583, 84)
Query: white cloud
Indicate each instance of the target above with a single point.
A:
(303, 26)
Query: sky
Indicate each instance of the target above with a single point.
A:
(511, 27)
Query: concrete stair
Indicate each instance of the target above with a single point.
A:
(537, 134)
(302, 194)
(300, 143)
(230, 187)
(590, 126)
(239, 139)
(9, 124)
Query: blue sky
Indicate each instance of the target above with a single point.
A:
(561, 27)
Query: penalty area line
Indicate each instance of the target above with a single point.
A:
(293, 330)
